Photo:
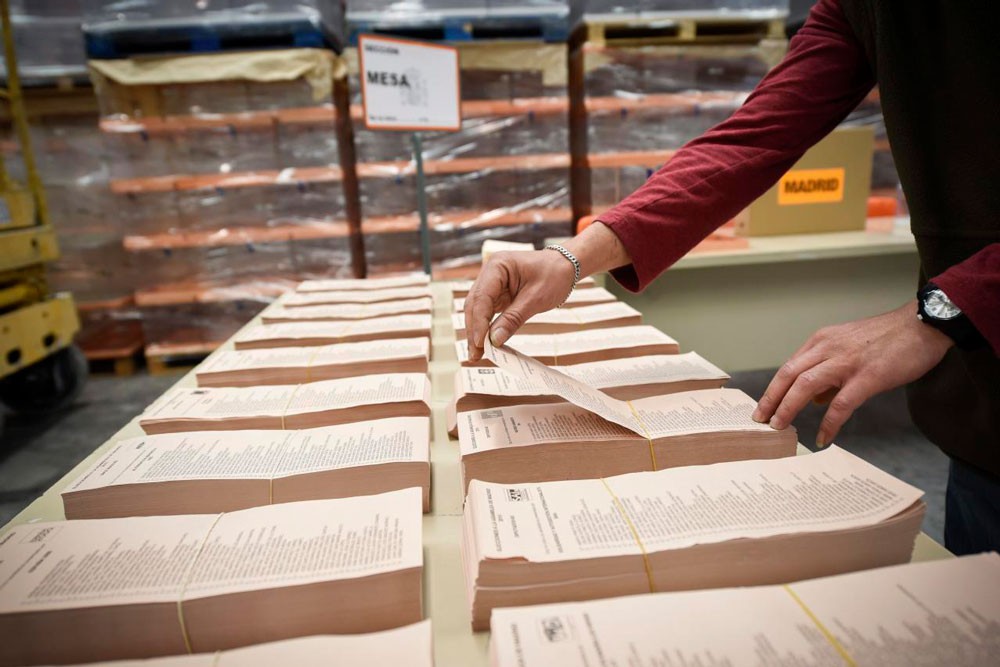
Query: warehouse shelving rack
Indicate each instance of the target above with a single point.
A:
(40, 368)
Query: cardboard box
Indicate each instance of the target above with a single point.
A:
(825, 191)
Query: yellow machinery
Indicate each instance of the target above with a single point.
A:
(40, 368)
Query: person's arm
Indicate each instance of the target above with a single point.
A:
(823, 77)
(850, 363)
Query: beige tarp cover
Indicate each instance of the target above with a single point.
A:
(317, 66)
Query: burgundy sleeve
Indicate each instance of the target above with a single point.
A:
(974, 286)
(824, 76)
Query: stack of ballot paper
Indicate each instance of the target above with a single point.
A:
(296, 299)
(207, 472)
(540, 443)
(460, 288)
(363, 284)
(624, 379)
(304, 334)
(295, 365)
(745, 523)
(409, 645)
(944, 612)
(289, 407)
(346, 311)
(564, 320)
(576, 299)
(583, 346)
(106, 589)
(599, 435)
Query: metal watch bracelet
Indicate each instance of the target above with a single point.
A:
(571, 258)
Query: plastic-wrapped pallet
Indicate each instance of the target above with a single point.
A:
(220, 265)
(651, 8)
(226, 171)
(504, 175)
(644, 101)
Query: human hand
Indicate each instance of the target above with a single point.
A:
(851, 363)
(518, 284)
(522, 284)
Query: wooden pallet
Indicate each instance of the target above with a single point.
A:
(653, 30)
(196, 35)
(120, 361)
(463, 26)
(111, 344)
(165, 358)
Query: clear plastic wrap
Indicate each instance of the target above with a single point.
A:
(307, 137)
(419, 11)
(249, 145)
(229, 193)
(201, 326)
(230, 266)
(93, 267)
(727, 8)
(67, 148)
(645, 101)
(504, 175)
(235, 17)
(609, 185)
(48, 40)
(625, 71)
(134, 150)
(614, 127)
(455, 253)
(292, 205)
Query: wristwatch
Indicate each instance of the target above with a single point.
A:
(935, 309)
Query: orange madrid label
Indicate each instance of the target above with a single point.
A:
(811, 186)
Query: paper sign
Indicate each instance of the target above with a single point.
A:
(811, 186)
(409, 85)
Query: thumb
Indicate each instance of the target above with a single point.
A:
(509, 321)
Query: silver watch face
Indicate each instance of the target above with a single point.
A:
(939, 306)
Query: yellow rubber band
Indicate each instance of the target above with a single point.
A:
(848, 660)
(291, 397)
(311, 360)
(645, 432)
(635, 535)
(187, 580)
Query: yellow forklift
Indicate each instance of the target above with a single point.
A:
(40, 368)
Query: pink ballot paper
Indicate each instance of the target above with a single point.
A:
(409, 645)
(743, 523)
(938, 613)
(646, 416)
(78, 591)
(221, 471)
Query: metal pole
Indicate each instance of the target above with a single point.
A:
(425, 232)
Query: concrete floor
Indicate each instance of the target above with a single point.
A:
(34, 454)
